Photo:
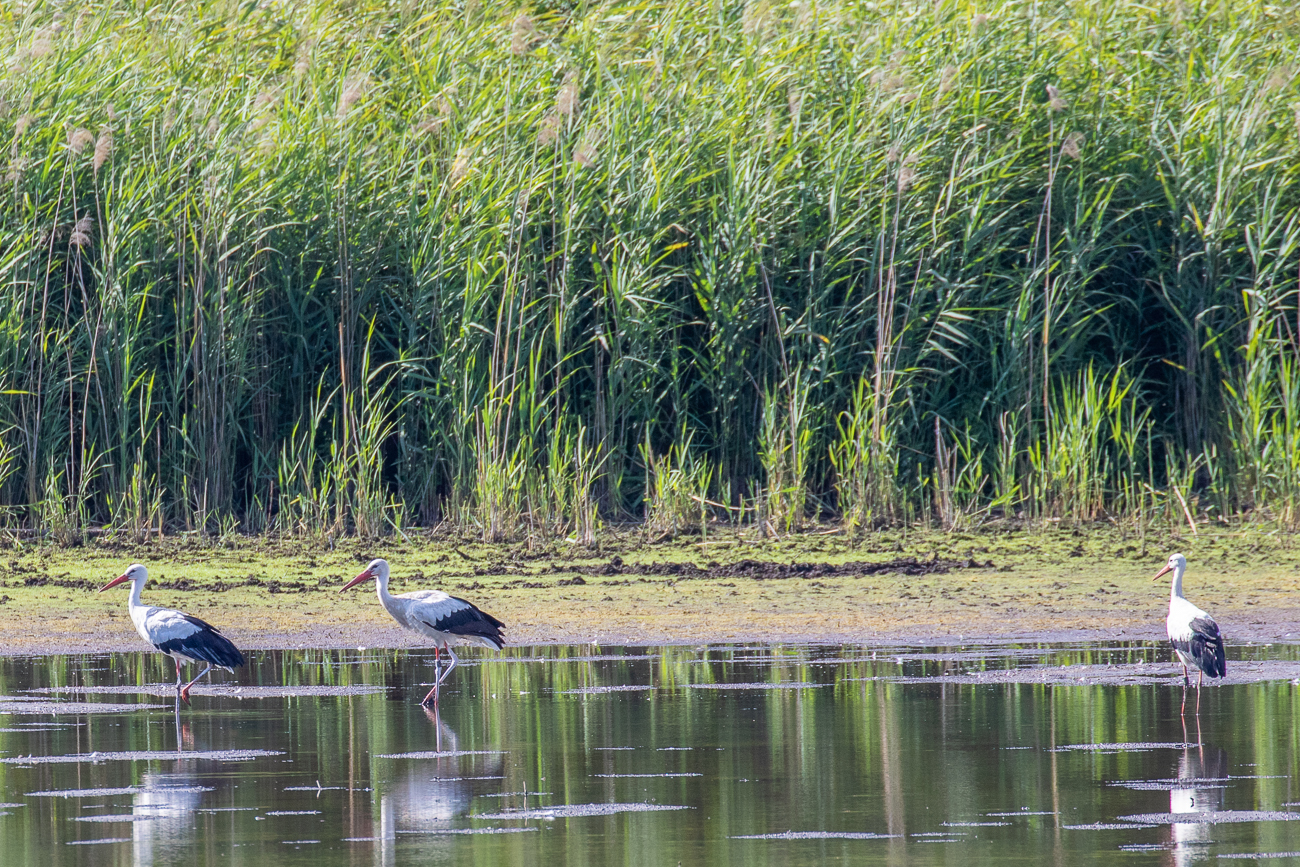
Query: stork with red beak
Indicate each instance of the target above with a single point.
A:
(1193, 633)
(437, 616)
(183, 637)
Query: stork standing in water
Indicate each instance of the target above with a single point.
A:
(435, 615)
(1193, 633)
(183, 637)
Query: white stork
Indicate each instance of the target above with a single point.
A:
(1193, 633)
(183, 637)
(435, 615)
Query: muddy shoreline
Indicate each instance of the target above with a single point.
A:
(910, 588)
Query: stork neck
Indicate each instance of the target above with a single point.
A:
(136, 587)
(381, 590)
(1176, 587)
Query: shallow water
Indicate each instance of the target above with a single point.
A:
(703, 755)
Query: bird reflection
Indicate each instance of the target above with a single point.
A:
(165, 806)
(432, 792)
(165, 814)
(184, 737)
(1200, 787)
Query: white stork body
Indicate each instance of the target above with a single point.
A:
(436, 615)
(1193, 633)
(183, 637)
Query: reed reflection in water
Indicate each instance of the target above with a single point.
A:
(733, 754)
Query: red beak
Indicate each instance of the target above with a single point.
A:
(116, 581)
(1162, 572)
(354, 582)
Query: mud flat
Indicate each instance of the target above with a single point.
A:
(1000, 584)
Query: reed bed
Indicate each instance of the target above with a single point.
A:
(319, 268)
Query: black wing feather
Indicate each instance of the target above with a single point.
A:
(206, 645)
(469, 621)
(1206, 647)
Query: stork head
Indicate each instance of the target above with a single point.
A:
(1177, 564)
(134, 572)
(378, 569)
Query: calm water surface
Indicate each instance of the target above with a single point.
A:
(706, 755)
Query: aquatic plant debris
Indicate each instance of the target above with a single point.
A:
(599, 690)
(122, 790)
(636, 776)
(435, 754)
(468, 831)
(764, 685)
(80, 708)
(817, 835)
(143, 756)
(1211, 817)
(167, 690)
(123, 817)
(574, 811)
(1258, 856)
(1167, 785)
(1129, 747)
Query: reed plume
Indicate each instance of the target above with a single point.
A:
(103, 148)
(1054, 99)
(79, 139)
(947, 79)
(81, 230)
(460, 166)
(568, 99)
(1072, 147)
(548, 131)
(354, 89)
(523, 33)
(755, 17)
(586, 154)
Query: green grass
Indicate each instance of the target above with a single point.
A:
(324, 268)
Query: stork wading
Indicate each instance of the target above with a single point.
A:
(183, 637)
(434, 615)
(1193, 633)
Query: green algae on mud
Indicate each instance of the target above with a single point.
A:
(996, 583)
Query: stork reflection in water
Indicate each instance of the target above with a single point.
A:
(1199, 788)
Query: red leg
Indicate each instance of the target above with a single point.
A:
(180, 685)
(437, 681)
(185, 690)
